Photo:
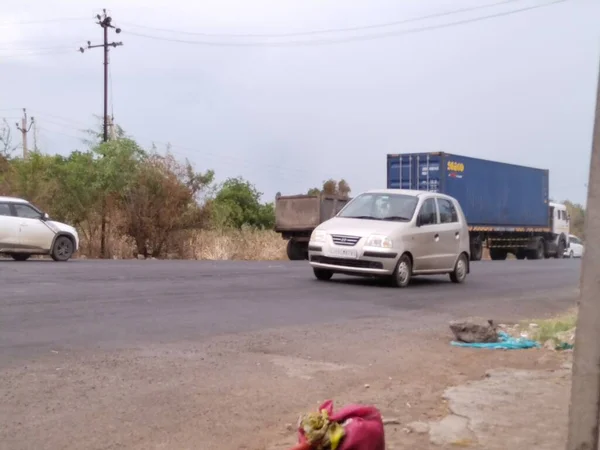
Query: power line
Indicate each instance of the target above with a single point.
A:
(230, 159)
(366, 37)
(33, 22)
(63, 47)
(34, 53)
(328, 30)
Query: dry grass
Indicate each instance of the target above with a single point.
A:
(245, 244)
(550, 328)
(250, 245)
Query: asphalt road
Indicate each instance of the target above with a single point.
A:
(119, 304)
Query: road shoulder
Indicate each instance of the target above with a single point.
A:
(241, 391)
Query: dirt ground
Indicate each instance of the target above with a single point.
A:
(240, 391)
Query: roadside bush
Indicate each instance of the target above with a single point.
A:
(126, 201)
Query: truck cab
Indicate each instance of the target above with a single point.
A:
(560, 219)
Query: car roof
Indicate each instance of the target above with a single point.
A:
(13, 200)
(409, 192)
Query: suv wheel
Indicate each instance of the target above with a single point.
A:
(20, 256)
(63, 249)
(403, 272)
(460, 270)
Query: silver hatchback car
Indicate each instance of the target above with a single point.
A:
(393, 233)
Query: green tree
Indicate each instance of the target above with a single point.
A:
(237, 203)
(159, 200)
(7, 147)
(332, 187)
(577, 214)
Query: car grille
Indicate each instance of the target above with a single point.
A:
(348, 241)
(347, 262)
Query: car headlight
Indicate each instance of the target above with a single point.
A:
(318, 236)
(379, 240)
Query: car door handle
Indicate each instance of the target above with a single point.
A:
(436, 237)
(457, 235)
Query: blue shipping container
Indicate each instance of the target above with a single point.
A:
(492, 194)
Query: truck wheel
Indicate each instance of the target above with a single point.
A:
(476, 249)
(498, 254)
(539, 252)
(560, 251)
(322, 274)
(403, 272)
(521, 254)
(295, 251)
(460, 270)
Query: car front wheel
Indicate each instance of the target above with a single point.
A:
(323, 274)
(63, 249)
(403, 273)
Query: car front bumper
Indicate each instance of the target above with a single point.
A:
(367, 260)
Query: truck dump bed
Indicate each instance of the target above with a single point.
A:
(305, 212)
(492, 194)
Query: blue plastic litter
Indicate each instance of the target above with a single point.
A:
(505, 342)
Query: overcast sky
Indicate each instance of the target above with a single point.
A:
(517, 88)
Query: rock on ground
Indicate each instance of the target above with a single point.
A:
(474, 331)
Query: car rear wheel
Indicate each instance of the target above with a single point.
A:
(323, 274)
(20, 256)
(460, 270)
(403, 272)
(63, 249)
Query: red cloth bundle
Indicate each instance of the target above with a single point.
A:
(362, 425)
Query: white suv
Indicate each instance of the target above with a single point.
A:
(26, 231)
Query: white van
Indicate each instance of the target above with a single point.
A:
(574, 247)
(26, 231)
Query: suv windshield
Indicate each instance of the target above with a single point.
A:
(378, 206)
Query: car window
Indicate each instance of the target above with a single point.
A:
(5, 209)
(448, 212)
(428, 214)
(26, 211)
(381, 206)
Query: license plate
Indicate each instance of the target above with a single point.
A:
(342, 253)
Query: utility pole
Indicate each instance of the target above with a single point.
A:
(584, 413)
(105, 22)
(24, 129)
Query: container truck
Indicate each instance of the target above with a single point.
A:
(506, 205)
(296, 216)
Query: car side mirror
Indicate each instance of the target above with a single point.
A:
(45, 216)
(419, 221)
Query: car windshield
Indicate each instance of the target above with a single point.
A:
(378, 206)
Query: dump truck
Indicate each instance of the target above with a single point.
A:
(507, 206)
(296, 216)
